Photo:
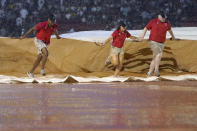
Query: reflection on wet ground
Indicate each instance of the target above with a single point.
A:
(153, 106)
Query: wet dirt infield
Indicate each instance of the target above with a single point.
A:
(134, 106)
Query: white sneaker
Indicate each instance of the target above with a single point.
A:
(157, 73)
(42, 72)
(107, 62)
(149, 74)
(31, 75)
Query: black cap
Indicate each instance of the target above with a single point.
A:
(122, 24)
(52, 17)
(163, 14)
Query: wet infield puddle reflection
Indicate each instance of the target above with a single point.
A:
(99, 106)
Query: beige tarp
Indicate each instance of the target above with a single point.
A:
(83, 58)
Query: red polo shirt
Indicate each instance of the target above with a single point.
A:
(44, 32)
(158, 30)
(119, 38)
